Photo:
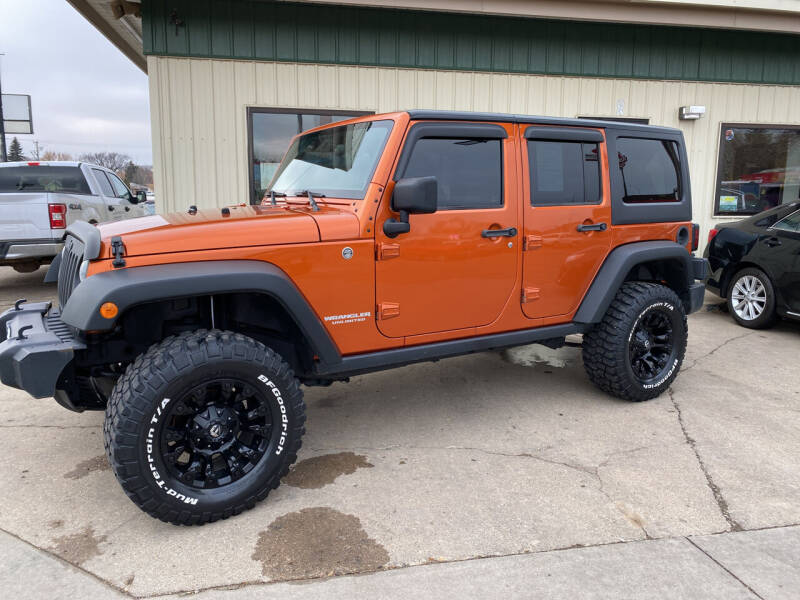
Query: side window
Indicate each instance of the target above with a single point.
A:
(650, 170)
(102, 181)
(564, 173)
(790, 223)
(469, 171)
(120, 189)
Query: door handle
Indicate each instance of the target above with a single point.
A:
(772, 242)
(110, 207)
(593, 227)
(495, 233)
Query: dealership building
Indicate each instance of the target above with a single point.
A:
(232, 81)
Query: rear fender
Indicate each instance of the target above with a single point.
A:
(623, 259)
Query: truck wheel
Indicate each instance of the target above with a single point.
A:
(203, 425)
(751, 299)
(636, 351)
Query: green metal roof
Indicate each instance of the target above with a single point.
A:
(293, 32)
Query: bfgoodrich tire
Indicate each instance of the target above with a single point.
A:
(203, 425)
(636, 351)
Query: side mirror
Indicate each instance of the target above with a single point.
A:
(412, 195)
(140, 196)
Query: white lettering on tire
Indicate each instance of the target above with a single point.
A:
(284, 418)
(150, 445)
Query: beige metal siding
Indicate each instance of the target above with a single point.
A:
(199, 125)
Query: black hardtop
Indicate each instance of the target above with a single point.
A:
(452, 115)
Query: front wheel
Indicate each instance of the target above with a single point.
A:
(636, 351)
(203, 425)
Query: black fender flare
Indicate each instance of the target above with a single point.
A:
(619, 263)
(138, 285)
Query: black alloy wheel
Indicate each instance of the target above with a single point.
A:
(217, 432)
(650, 347)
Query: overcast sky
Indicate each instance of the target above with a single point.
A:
(86, 95)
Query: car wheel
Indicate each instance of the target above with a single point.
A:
(203, 425)
(636, 351)
(751, 299)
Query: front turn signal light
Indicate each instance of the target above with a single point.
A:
(109, 310)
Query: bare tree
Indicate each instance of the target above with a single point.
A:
(51, 155)
(110, 160)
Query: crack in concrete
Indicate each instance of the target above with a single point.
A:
(72, 565)
(713, 350)
(591, 471)
(722, 503)
(726, 569)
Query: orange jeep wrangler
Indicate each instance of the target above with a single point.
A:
(383, 241)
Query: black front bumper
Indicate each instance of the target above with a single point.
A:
(35, 347)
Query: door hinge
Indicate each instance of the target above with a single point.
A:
(386, 251)
(388, 310)
(532, 241)
(529, 294)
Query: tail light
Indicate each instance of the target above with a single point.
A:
(712, 234)
(695, 236)
(58, 216)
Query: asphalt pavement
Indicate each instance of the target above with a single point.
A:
(491, 475)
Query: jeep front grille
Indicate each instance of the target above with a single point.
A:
(68, 276)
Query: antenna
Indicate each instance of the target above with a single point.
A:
(3, 155)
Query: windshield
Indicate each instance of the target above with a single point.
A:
(43, 179)
(337, 162)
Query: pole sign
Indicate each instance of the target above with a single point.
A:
(17, 114)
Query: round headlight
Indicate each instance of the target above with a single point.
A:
(83, 269)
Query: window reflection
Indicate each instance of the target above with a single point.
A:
(271, 133)
(759, 168)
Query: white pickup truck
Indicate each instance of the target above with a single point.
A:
(38, 200)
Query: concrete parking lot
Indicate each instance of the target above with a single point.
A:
(492, 472)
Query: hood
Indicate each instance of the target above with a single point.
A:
(245, 226)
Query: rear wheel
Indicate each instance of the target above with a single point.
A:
(203, 425)
(636, 351)
(751, 299)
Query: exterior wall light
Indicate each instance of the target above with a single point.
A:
(690, 113)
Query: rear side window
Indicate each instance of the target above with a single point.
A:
(469, 171)
(790, 223)
(564, 173)
(102, 181)
(68, 180)
(650, 170)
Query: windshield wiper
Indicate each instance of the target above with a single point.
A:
(311, 195)
(273, 194)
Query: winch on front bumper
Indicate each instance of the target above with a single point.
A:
(35, 348)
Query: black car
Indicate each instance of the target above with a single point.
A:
(755, 265)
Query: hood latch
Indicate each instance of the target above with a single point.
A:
(118, 250)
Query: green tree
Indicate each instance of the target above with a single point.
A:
(131, 171)
(15, 151)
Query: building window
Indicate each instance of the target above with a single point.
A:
(270, 131)
(469, 172)
(759, 168)
(563, 173)
(650, 170)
